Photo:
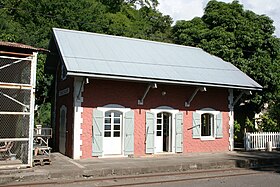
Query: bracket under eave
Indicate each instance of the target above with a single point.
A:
(188, 103)
(240, 95)
(151, 85)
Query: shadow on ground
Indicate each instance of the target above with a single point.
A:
(258, 160)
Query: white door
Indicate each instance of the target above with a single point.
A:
(159, 134)
(112, 141)
(62, 129)
(163, 133)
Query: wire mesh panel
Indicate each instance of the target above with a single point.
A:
(17, 85)
(14, 100)
(14, 150)
(14, 126)
(15, 70)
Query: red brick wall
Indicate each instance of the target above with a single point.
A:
(86, 136)
(66, 100)
(99, 93)
(198, 145)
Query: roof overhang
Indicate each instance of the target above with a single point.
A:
(162, 81)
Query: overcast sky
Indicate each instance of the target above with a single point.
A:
(188, 9)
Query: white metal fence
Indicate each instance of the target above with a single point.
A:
(17, 96)
(258, 140)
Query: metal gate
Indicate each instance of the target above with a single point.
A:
(17, 96)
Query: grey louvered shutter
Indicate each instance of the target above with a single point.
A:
(219, 125)
(179, 132)
(97, 134)
(149, 132)
(196, 125)
(129, 133)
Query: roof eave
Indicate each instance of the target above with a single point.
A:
(165, 81)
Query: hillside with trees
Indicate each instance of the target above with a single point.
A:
(30, 22)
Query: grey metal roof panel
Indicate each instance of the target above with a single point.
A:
(113, 56)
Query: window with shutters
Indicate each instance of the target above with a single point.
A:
(207, 124)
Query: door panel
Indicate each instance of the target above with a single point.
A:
(97, 134)
(179, 132)
(150, 132)
(163, 134)
(62, 129)
(159, 134)
(112, 133)
(129, 133)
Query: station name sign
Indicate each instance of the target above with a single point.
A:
(63, 92)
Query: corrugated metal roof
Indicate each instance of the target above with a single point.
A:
(98, 55)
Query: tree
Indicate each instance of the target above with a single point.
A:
(238, 36)
(148, 3)
(246, 40)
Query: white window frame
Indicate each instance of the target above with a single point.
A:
(112, 124)
(208, 111)
(119, 108)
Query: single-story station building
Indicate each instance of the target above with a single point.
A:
(118, 96)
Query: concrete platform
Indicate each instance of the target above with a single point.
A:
(66, 168)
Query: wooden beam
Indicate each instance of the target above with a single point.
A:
(15, 54)
(14, 139)
(14, 113)
(15, 86)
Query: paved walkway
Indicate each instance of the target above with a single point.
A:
(64, 167)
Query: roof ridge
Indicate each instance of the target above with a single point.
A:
(128, 38)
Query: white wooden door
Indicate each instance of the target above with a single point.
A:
(112, 141)
(62, 129)
(159, 133)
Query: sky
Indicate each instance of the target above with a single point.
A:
(188, 9)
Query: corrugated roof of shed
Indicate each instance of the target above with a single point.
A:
(21, 46)
(106, 56)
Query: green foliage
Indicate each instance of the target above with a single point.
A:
(148, 3)
(237, 129)
(43, 115)
(268, 124)
(274, 112)
(250, 125)
(270, 120)
(30, 22)
(241, 37)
